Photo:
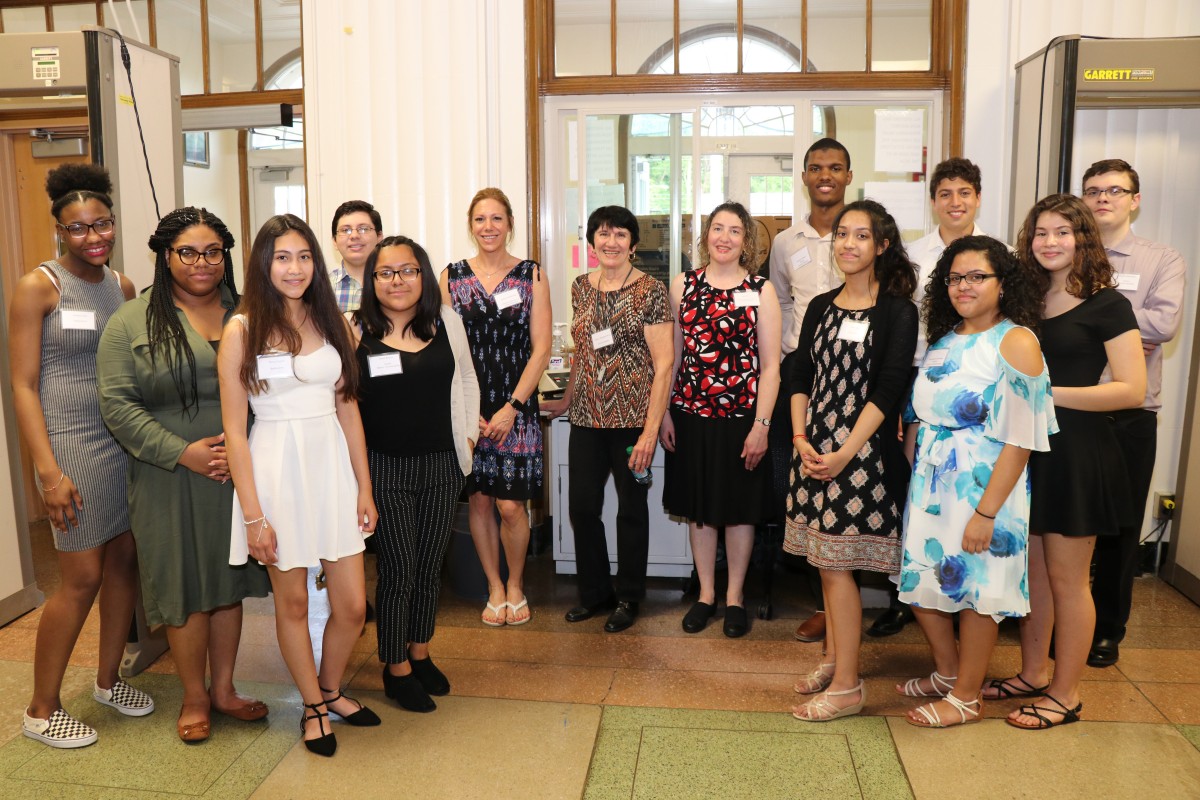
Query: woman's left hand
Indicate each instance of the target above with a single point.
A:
(831, 465)
(977, 536)
(643, 452)
(501, 423)
(368, 515)
(755, 446)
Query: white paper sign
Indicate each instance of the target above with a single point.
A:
(1126, 281)
(602, 339)
(899, 139)
(74, 319)
(507, 298)
(906, 201)
(935, 358)
(854, 330)
(800, 258)
(277, 365)
(745, 298)
(382, 364)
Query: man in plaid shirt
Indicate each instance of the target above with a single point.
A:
(356, 228)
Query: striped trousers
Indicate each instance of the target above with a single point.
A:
(416, 497)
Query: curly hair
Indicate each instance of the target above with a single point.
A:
(163, 322)
(1091, 271)
(267, 321)
(746, 258)
(897, 275)
(1022, 295)
(953, 168)
(78, 183)
(370, 313)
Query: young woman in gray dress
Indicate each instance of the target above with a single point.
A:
(57, 313)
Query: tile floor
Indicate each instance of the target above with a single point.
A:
(565, 711)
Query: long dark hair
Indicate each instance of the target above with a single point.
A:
(1024, 290)
(163, 323)
(267, 315)
(1091, 271)
(78, 183)
(429, 308)
(896, 274)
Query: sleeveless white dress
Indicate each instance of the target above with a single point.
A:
(302, 470)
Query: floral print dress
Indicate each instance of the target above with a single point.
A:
(970, 403)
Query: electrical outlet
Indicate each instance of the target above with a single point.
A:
(1164, 505)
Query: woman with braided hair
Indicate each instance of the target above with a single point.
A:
(157, 373)
(57, 313)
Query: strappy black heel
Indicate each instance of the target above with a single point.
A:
(326, 745)
(362, 718)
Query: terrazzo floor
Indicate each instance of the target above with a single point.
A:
(553, 710)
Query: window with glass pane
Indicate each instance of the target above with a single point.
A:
(30, 19)
(129, 26)
(707, 37)
(900, 35)
(582, 37)
(232, 65)
(645, 35)
(281, 46)
(178, 27)
(73, 17)
(771, 33)
(837, 35)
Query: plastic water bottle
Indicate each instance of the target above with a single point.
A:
(558, 346)
(645, 476)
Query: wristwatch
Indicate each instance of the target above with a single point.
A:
(766, 421)
(515, 403)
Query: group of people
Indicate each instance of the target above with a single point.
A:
(222, 445)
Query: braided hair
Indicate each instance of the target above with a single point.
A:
(163, 323)
(78, 183)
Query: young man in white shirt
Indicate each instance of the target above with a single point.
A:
(802, 267)
(1151, 276)
(357, 228)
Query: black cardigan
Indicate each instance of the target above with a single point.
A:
(894, 322)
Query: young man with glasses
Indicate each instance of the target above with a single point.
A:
(357, 227)
(1151, 276)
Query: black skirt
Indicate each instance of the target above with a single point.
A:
(706, 478)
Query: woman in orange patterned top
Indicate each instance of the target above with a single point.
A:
(623, 336)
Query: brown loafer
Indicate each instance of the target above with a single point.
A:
(192, 732)
(813, 628)
(251, 712)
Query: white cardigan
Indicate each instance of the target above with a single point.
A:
(464, 390)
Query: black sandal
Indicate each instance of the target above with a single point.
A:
(362, 718)
(326, 744)
(1068, 715)
(1006, 691)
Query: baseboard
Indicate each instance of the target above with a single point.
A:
(20, 602)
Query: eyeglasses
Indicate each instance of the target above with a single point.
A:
(1112, 191)
(188, 256)
(409, 274)
(361, 230)
(78, 230)
(971, 278)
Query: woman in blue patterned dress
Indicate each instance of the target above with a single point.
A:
(982, 403)
(505, 305)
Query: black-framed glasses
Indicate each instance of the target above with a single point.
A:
(1112, 191)
(361, 230)
(406, 273)
(971, 278)
(188, 256)
(78, 230)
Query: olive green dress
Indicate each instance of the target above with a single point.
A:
(180, 520)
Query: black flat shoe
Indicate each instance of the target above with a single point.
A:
(697, 617)
(736, 622)
(1104, 653)
(580, 613)
(326, 744)
(891, 622)
(408, 692)
(433, 681)
(362, 718)
(622, 617)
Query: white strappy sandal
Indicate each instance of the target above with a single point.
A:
(819, 709)
(967, 713)
(942, 685)
(816, 681)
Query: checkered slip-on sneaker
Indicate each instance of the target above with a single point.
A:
(61, 730)
(124, 698)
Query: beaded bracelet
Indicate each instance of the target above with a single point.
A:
(61, 477)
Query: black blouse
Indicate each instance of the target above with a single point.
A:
(408, 414)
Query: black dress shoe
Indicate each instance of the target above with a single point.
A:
(580, 613)
(407, 691)
(891, 622)
(736, 622)
(432, 679)
(622, 617)
(1104, 653)
(697, 617)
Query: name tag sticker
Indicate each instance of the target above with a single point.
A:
(602, 339)
(800, 258)
(276, 365)
(384, 364)
(744, 299)
(1128, 281)
(77, 319)
(935, 358)
(853, 330)
(507, 298)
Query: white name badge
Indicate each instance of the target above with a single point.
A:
(1128, 281)
(277, 365)
(77, 320)
(744, 299)
(800, 258)
(853, 330)
(935, 359)
(384, 364)
(508, 298)
(602, 339)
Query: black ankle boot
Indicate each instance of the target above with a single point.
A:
(407, 691)
(433, 681)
